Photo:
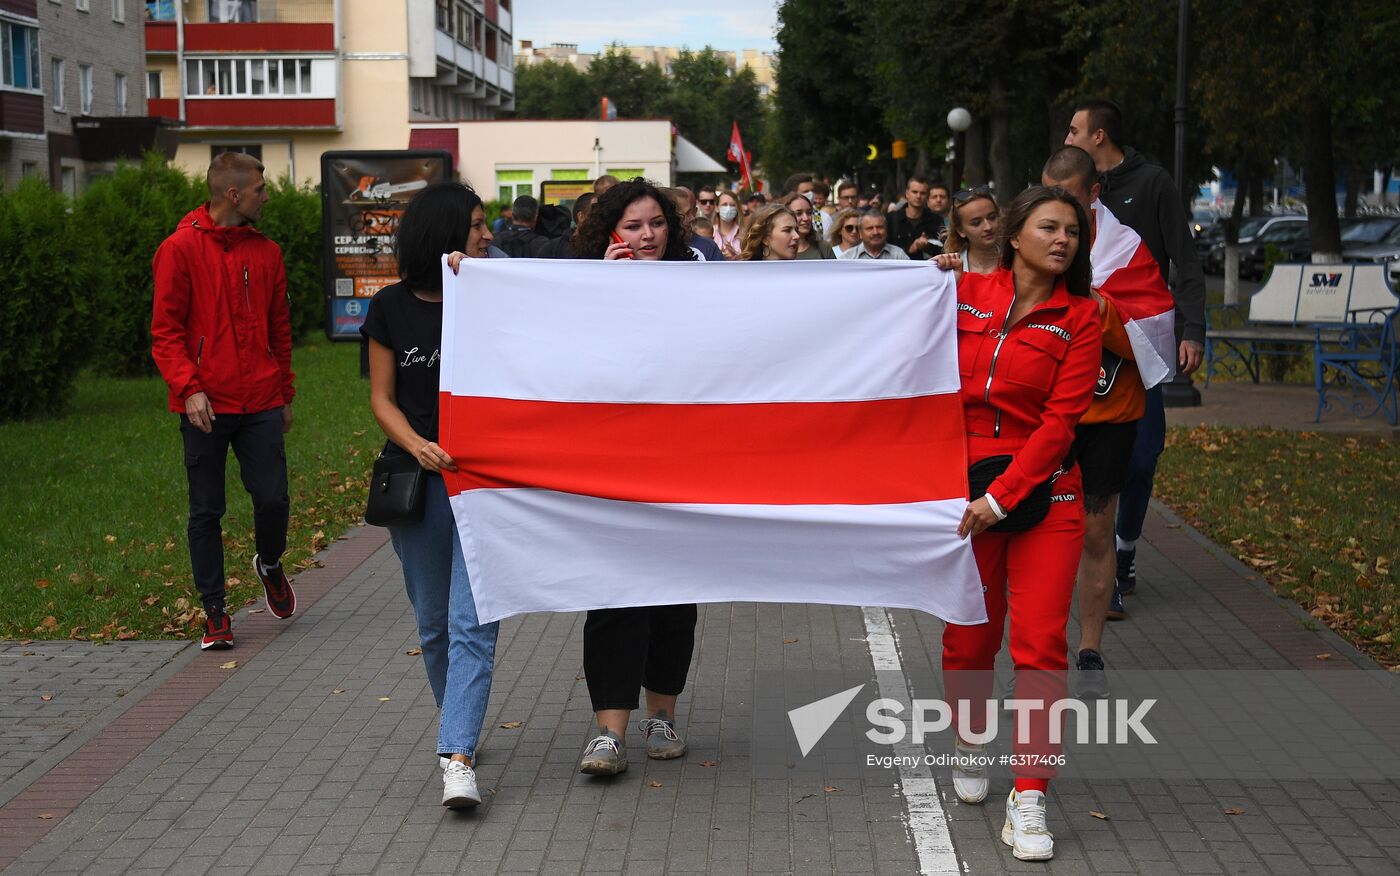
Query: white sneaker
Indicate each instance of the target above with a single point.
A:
(1025, 829)
(459, 786)
(970, 779)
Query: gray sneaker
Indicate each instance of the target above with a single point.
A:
(662, 741)
(606, 755)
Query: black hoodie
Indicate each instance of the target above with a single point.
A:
(1144, 198)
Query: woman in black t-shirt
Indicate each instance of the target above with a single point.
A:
(404, 330)
(626, 649)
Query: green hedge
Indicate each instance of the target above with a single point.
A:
(77, 275)
(49, 277)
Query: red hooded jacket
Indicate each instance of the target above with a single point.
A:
(220, 323)
(1024, 387)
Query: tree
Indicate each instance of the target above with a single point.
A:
(638, 92)
(553, 90)
(826, 109)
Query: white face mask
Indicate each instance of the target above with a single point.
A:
(728, 212)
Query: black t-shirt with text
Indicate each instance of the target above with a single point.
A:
(412, 329)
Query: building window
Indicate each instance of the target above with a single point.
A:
(493, 39)
(160, 10)
(233, 10)
(121, 94)
(251, 149)
(56, 83)
(259, 77)
(68, 181)
(28, 168)
(19, 56)
(83, 5)
(153, 88)
(85, 89)
(119, 10)
(444, 15)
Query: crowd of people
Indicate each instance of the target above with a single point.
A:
(1050, 447)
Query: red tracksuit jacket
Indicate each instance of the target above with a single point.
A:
(220, 324)
(1024, 387)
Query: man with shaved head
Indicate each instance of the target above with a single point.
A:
(221, 337)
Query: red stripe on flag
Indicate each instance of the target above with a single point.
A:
(886, 451)
(1137, 288)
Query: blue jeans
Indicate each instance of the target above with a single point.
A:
(458, 652)
(1151, 438)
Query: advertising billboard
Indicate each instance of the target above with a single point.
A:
(363, 196)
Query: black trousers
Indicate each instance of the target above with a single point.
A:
(626, 649)
(257, 441)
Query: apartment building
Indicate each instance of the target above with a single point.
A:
(286, 80)
(70, 89)
(763, 64)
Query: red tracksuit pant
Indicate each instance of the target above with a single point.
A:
(1030, 576)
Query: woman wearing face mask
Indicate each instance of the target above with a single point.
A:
(972, 231)
(458, 652)
(629, 649)
(1028, 354)
(809, 243)
(729, 227)
(771, 235)
(845, 231)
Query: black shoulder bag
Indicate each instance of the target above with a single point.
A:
(395, 491)
(1024, 516)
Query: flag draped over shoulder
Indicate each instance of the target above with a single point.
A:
(647, 433)
(1127, 274)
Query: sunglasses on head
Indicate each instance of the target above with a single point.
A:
(965, 195)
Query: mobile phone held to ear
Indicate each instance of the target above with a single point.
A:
(616, 238)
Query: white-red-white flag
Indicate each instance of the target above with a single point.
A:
(738, 156)
(646, 433)
(1126, 273)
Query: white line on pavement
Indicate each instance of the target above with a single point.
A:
(928, 824)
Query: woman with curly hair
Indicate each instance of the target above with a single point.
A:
(627, 649)
(771, 234)
(633, 220)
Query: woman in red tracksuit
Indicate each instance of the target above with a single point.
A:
(1028, 357)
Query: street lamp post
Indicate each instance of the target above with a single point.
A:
(1181, 392)
(959, 120)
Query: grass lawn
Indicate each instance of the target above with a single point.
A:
(1318, 516)
(95, 503)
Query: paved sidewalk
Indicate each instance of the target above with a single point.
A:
(315, 754)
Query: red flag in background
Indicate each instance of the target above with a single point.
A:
(738, 156)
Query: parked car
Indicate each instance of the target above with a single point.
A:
(1387, 249)
(1288, 235)
(1213, 258)
(1367, 230)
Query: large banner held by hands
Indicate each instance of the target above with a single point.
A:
(648, 433)
(1127, 274)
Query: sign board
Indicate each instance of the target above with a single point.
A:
(363, 196)
(563, 192)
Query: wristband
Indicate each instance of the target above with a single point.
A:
(996, 508)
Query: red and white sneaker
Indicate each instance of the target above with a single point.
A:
(281, 599)
(218, 632)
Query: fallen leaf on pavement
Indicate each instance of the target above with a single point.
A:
(788, 641)
(384, 699)
(414, 652)
(579, 677)
(1098, 815)
(708, 763)
(46, 697)
(46, 815)
(511, 725)
(339, 690)
(831, 789)
(232, 664)
(1323, 656)
(256, 610)
(654, 784)
(1234, 810)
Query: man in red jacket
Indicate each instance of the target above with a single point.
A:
(222, 340)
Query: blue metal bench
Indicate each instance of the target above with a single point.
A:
(1364, 360)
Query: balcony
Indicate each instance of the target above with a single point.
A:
(168, 107)
(260, 113)
(243, 37)
(21, 113)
